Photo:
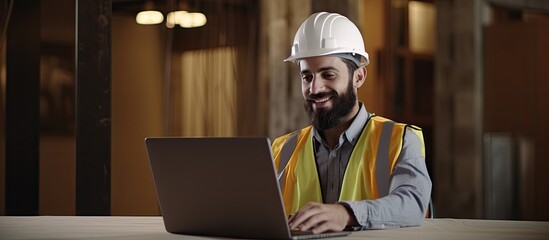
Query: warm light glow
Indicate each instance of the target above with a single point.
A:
(422, 19)
(191, 20)
(174, 18)
(185, 19)
(149, 17)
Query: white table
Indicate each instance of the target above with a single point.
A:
(72, 227)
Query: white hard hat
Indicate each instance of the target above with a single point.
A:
(327, 34)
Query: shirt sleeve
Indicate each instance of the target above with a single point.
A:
(409, 192)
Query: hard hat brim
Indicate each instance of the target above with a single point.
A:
(325, 52)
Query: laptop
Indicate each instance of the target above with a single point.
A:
(220, 187)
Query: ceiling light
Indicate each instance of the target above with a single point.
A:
(174, 18)
(195, 19)
(149, 17)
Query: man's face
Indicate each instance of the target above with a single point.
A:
(329, 95)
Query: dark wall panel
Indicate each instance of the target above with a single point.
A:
(22, 108)
(93, 107)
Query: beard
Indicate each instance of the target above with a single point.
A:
(323, 119)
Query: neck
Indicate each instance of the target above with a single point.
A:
(331, 136)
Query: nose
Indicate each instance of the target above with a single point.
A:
(316, 85)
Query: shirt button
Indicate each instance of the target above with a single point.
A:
(333, 155)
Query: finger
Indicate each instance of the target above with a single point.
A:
(303, 215)
(292, 224)
(325, 227)
(297, 220)
(328, 225)
(313, 221)
(328, 219)
(293, 217)
(292, 220)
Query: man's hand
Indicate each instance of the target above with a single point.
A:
(319, 218)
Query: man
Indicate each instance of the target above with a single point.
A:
(350, 168)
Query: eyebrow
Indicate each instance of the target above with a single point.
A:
(320, 70)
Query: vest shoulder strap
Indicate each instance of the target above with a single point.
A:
(389, 146)
(285, 154)
(383, 171)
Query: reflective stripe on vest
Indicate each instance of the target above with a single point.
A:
(285, 155)
(368, 171)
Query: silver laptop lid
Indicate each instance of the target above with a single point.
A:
(218, 187)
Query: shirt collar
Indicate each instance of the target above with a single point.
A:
(355, 129)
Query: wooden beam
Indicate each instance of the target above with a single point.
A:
(22, 108)
(93, 107)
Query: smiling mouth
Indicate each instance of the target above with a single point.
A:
(321, 100)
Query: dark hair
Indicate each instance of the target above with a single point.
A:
(351, 67)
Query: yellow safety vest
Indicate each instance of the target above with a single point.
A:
(368, 172)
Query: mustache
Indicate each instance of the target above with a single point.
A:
(321, 95)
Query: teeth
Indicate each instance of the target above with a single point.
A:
(321, 100)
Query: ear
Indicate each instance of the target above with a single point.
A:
(359, 76)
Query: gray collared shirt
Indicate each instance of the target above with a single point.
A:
(410, 187)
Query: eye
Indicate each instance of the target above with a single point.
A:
(329, 75)
(306, 77)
